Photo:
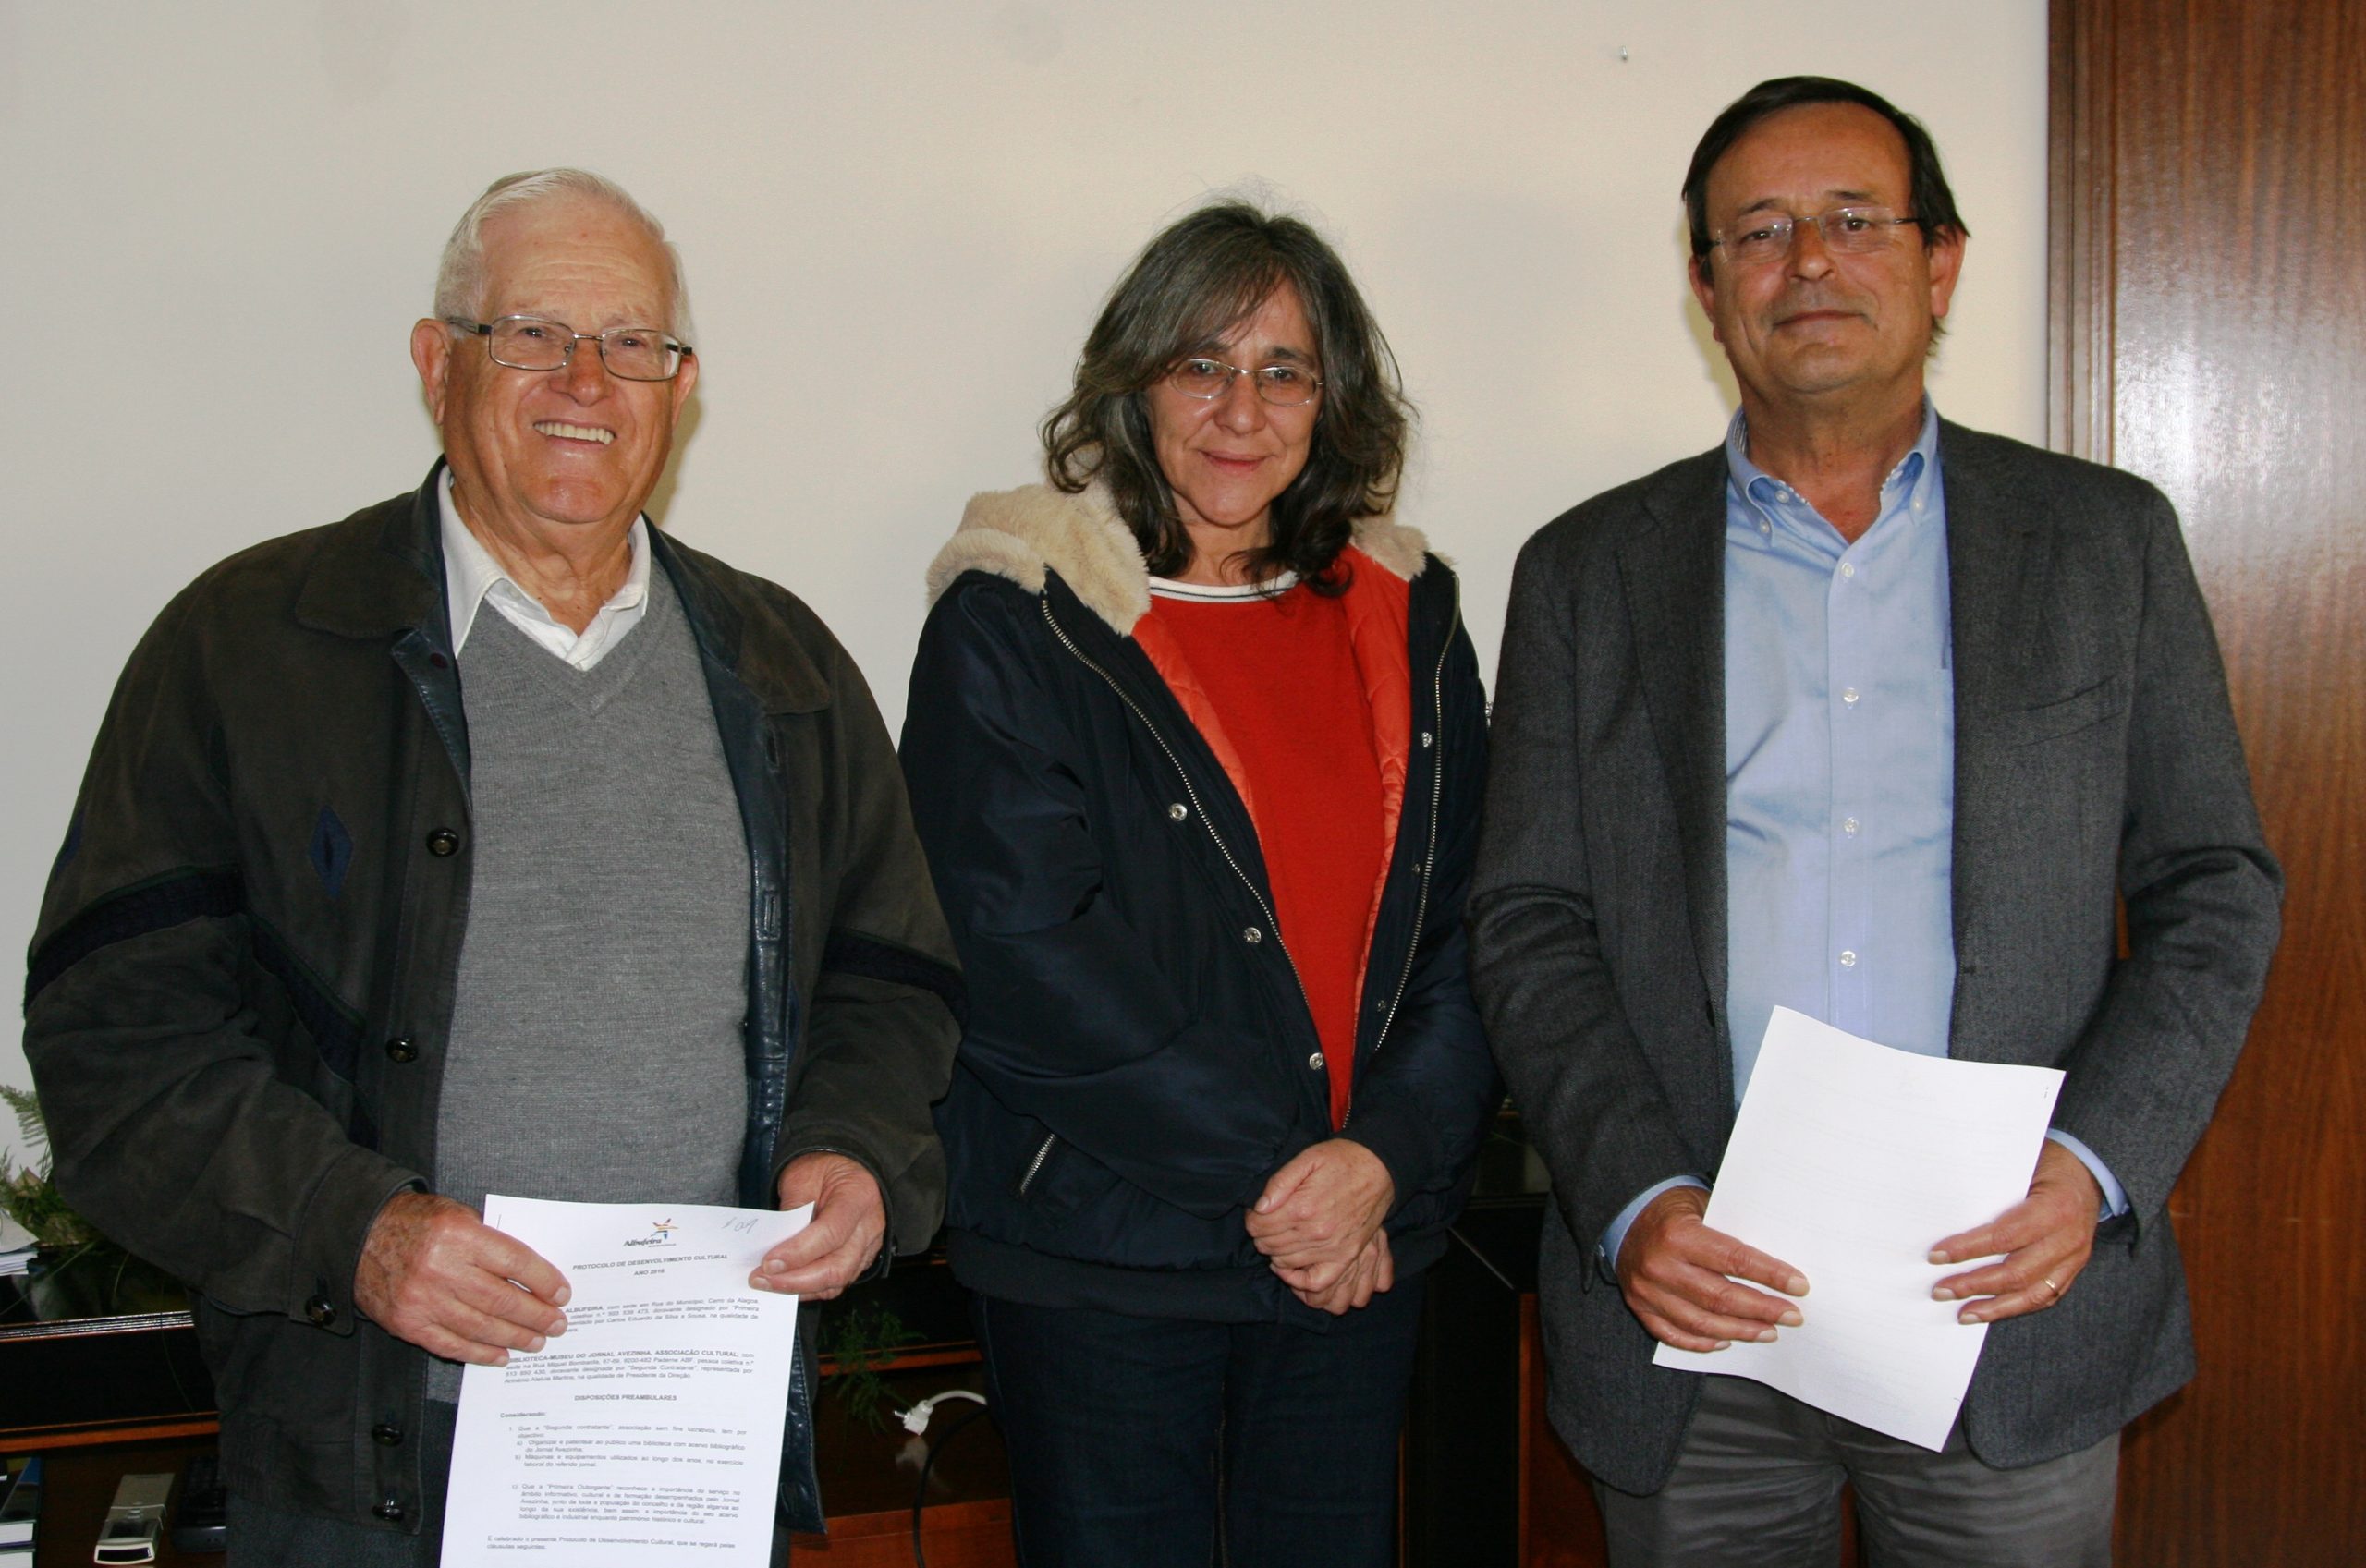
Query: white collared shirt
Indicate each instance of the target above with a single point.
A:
(472, 578)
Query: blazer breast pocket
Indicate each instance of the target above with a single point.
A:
(2081, 710)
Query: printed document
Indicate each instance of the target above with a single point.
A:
(649, 1431)
(1849, 1160)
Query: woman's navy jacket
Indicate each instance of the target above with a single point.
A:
(1138, 1057)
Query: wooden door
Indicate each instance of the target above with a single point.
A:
(2209, 333)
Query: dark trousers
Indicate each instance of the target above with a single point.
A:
(1757, 1485)
(1148, 1441)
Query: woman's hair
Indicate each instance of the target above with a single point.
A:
(1193, 284)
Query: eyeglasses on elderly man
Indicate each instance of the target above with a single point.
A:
(531, 342)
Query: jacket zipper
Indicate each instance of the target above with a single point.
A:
(1430, 852)
(1221, 848)
(1037, 1163)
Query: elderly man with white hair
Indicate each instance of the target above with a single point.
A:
(487, 841)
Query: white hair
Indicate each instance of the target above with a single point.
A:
(460, 276)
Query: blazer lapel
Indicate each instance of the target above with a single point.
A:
(1997, 539)
(1672, 574)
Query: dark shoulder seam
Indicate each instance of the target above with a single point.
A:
(972, 580)
(875, 958)
(210, 894)
(336, 1029)
(173, 899)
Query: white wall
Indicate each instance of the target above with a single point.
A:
(899, 217)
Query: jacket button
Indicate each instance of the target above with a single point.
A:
(443, 840)
(1427, 740)
(386, 1435)
(1315, 1062)
(321, 1310)
(403, 1048)
(390, 1511)
(1177, 811)
(1253, 936)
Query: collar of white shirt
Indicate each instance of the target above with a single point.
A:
(472, 578)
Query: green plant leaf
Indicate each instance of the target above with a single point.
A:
(860, 1341)
(31, 1125)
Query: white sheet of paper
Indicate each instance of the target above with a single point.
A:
(649, 1431)
(1848, 1160)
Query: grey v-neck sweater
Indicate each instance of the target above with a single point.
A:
(596, 1052)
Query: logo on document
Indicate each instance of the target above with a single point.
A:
(660, 1233)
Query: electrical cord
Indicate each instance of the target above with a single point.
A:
(919, 1494)
(916, 1419)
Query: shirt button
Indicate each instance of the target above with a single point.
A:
(1847, 959)
(402, 1048)
(321, 1311)
(442, 842)
(1849, 695)
(386, 1435)
(1253, 936)
(390, 1511)
(1315, 1062)
(1177, 811)
(1849, 827)
(1848, 568)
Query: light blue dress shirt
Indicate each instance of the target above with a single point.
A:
(1840, 754)
(1839, 770)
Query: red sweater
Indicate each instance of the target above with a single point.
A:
(1283, 689)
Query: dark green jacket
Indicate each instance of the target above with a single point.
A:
(243, 980)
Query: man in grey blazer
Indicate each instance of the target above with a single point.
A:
(1875, 717)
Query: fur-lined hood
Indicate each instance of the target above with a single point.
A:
(1016, 533)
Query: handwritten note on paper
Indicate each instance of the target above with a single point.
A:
(1848, 1160)
(650, 1430)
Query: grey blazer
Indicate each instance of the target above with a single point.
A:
(2096, 758)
